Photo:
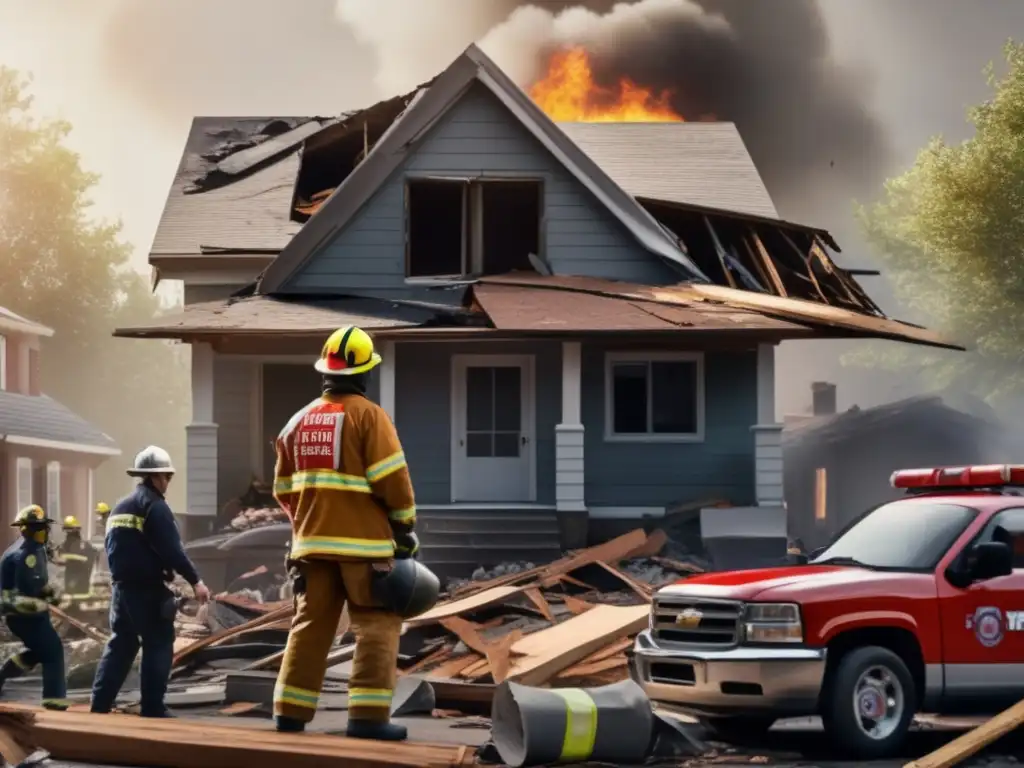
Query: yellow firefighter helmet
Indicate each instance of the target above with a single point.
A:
(346, 352)
(102, 508)
(71, 524)
(31, 516)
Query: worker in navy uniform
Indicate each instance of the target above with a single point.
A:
(144, 551)
(26, 596)
(78, 558)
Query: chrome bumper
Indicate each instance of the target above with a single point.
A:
(731, 681)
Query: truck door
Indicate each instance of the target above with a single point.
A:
(983, 628)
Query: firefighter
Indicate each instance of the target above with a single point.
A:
(78, 558)
(25, 593)
(342, 478)
(101, 573)
(144, 551)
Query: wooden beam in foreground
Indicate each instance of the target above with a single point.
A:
(974, 741)
(181, 743)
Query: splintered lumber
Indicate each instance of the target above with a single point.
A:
(455, 666)
(463, 605)
(275, 658)
(82, 627)
(172, 743)
(542, 605)
(262, 622)
(974, 741)
(546, 653)
(641, 590)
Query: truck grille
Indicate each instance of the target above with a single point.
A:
(694, 621)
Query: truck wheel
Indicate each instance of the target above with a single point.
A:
(869, 703)
(736, 730)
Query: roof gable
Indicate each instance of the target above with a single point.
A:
(422, 113)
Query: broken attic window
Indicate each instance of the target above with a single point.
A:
(460, 227)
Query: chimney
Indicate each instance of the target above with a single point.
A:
(823, 398)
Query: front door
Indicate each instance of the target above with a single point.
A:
(492, 430)
(983, 627)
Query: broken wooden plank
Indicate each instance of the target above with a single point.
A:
(218, 637)
(538, 600)
(82, 627)
(576, 605)
(455, 666)
(240, 708)
(643, 592)
(769, 265)
(441, 654)
(656, 542)
(721, 253)
(549, 651)
(125, 740)
(499, 655)
(464, 605)
(962, 747)
(586, 670)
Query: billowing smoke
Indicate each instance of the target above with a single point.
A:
(767, 66)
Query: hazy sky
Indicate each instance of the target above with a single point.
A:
(130, 74)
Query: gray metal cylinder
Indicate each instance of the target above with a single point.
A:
(541, 726)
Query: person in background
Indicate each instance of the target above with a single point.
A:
(342, 478)
(144, 551)
(26, 595)
(78, 558)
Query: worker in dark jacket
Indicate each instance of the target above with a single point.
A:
(26, 596)
(144, 551)
(78, 558)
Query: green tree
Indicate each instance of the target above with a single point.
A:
(950, 234)
(62, 267)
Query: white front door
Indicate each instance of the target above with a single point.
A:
(493, 429)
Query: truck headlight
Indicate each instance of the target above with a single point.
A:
(773, 623)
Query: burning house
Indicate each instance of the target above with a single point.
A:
(577, 297)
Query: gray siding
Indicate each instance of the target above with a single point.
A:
(657, 474)
(423, 411)
(479, 136)
(232, 412)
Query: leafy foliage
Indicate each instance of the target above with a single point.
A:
(950, 233)
(62, 268)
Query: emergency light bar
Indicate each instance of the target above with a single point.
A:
(983, 476)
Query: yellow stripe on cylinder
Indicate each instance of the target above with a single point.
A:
(580, 724)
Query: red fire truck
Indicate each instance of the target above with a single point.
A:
(917, 606)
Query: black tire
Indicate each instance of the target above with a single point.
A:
(737, 730)
(841, 718)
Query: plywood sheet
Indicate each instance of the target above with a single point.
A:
(469, 604)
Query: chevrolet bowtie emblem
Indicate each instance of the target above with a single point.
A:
(689, 618)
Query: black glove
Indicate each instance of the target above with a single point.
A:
(407, 545)
(296, 577)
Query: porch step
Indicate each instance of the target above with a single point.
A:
(457, 542)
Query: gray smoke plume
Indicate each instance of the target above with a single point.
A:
(766, 66)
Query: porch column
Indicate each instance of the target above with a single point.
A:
(386, 378)
(767, 434)
(201, 449)
(569, 468)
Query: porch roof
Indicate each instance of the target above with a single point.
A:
(42, 422)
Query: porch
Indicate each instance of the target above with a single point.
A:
(518, 447)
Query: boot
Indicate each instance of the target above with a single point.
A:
(8, 671)
(288, 724)
(371, 729)
(165, 712)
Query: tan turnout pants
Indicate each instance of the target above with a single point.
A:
(329, 586)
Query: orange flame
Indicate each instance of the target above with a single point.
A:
(568, 93)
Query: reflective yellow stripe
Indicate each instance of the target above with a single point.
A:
(328, 480)
(29, 604)
(369, 697)
(56, 703)
(580, 724)
(337, 545)
(282, 485)
(84, 596)
(21, 663)
(125, 521)
(75, 558)
(7, 596)
(406, 516)
(299, 697)
(385, 467)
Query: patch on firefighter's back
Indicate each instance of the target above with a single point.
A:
(990, 624)
(318, 440)
(30, 561)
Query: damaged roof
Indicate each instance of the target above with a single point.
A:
(264, 315)
(244, 208)
(43, 418)
(700, 164)
(473, 66)
(15, 323)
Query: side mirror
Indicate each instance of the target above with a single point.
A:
(991, 560)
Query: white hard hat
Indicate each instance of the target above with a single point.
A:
(152, 460)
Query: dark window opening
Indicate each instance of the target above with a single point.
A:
(480, 227)
(511, 225)
(436, 229)
(658, 397)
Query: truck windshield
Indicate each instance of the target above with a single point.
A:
(911, 534)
